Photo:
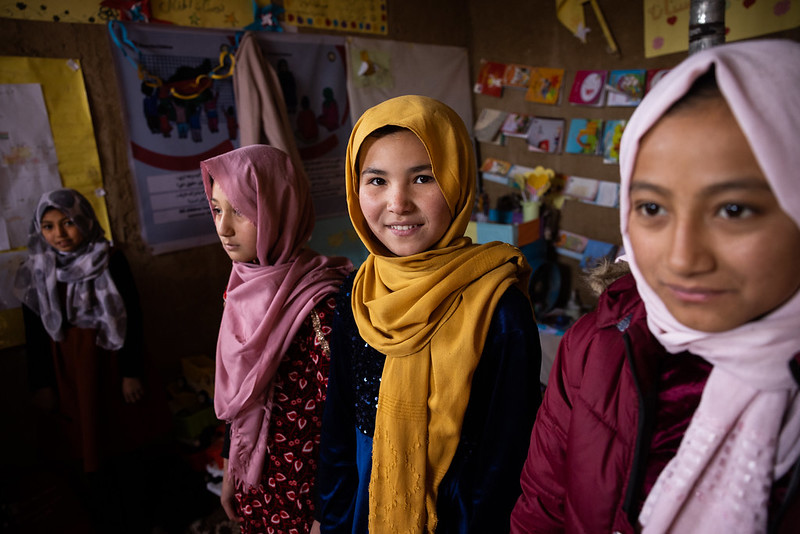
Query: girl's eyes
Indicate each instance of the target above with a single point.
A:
(216, 211)
(421, 179)
(735, 211)
(649, 209)
(376, 181)
(728, 210)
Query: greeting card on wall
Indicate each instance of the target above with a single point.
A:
(653, 77)
(588, 88)
(612, 134)
(546, 135)
(495, 170)
(487, 127)
(545, 86)
(517, 125)
(490, 78)
(518, 76)
(364, 16)
(626, 87)
(584, 136)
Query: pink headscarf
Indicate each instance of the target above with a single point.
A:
(746, 431)
(266, 303)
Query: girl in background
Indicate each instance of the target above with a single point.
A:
(272, 351)
(674, 406)
(84, 345)
(434, 379)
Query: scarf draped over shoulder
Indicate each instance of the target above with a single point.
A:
(429, 313)
(267, 301)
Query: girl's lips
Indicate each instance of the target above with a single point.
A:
(403, 229)
(694, 294)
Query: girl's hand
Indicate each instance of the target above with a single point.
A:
(132, 389)
(315, 527)
(227, 498)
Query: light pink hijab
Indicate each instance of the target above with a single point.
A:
(266, 303)
(746, 431)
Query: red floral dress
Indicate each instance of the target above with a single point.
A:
(283, 503)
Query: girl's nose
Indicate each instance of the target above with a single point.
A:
(689, 248)
(399, 200)
(224, 226)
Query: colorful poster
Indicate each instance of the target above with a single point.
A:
(666, 23)
(190, 116)
(363, 16)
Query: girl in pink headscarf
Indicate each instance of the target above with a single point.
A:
(272, 351)
(673, 407)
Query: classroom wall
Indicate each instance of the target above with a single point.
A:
(181, 292)
(528, 33)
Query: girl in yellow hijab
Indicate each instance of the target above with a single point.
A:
(434, 381)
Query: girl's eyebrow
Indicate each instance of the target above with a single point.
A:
(722, 187)
(417, 168)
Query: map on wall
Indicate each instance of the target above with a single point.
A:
(666, 22)
(364, 16)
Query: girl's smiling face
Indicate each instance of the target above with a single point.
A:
(237, 234)
(398, 195)
(60, 231)
(706, 229)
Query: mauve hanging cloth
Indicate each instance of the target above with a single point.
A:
(260, 109)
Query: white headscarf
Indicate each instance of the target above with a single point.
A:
(746, 431)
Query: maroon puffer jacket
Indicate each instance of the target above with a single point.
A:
(588, 452)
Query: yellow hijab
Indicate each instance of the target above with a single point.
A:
(429, 313)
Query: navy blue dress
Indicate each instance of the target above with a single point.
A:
(482, 484)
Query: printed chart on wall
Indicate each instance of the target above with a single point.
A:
(175, 125)
(666, 23)
(178, 114)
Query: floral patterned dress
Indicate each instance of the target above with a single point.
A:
(283, 502)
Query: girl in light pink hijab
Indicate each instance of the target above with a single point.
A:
(673, 406)
(272, 355)
(716, 257)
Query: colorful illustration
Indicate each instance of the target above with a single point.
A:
(546, 135)
(545, 86)
(626, 87)
(518, 76)
(653, 77)
(612, 134)
(588, 88)
(584, 136)
(490, 78)
(517, 125)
